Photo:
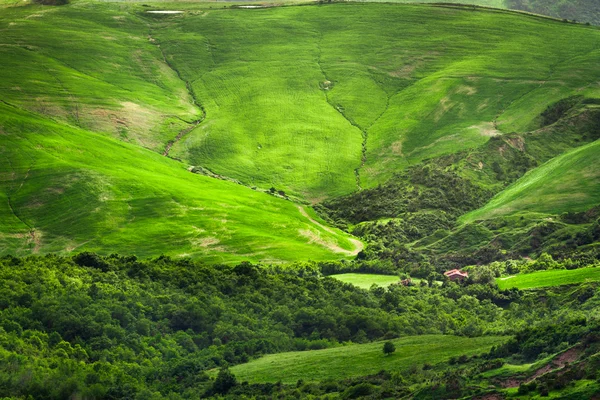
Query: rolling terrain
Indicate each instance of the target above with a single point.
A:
(67, 189)
(218, 200)
(383, 101)
(566, 183)
(269, 100)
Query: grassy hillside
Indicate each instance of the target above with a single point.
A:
(579, 10)
(94, 67)
(65, 189)
(360, 359)
(288, 106)
(269, 97)
(549, 278)
(570, 182)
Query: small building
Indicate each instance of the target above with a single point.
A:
(406, 282)
(456, 275)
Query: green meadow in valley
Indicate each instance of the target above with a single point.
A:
(360, 359)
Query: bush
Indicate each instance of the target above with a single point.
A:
(388, 348)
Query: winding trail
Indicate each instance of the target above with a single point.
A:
(358, 245)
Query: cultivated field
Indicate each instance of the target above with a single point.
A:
(365, 281)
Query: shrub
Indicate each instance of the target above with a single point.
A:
(388, 348)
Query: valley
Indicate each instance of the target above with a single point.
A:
(312, 200)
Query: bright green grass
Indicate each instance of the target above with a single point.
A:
(417, 92)
(365, 281)
(360, 359)
(549, 278)
(570, 182)
(260, 74)
(71, 190)
(94, 67)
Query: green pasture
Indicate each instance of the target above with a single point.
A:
(67, 190)
(365, 281)
(570, 182)
(294, 98)
(291, 92)
(549, 278)
(360, 359)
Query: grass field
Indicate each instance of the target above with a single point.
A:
(411, 96)
(549, 278)
(570, 182)
(360, 359)
(301, 99)
(65, 189)
(365, 281)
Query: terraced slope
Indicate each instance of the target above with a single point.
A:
(65, 189)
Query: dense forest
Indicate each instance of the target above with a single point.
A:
(118, 327)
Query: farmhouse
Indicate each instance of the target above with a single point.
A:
(456, 275)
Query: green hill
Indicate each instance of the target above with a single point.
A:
(570, 182)
(66, 189)
(288, 106)
(267, 98)
(549, 278)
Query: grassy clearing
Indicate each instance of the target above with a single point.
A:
(549, 278)
(360, 359)
(570, 182)
(365, 281)
(66, 189)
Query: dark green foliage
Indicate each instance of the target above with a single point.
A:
(388, 348)
(52, 2)
(224, 382)
(133, 327)
(559, 110)
(412, 219)
(357, 391)
(587, 11)
(424, 187)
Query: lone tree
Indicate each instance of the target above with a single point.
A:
(388, 348)
(225, 381)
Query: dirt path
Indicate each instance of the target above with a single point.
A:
(179, 136)
(557, 363)
(358, 245)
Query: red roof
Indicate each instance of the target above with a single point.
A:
(455, 273)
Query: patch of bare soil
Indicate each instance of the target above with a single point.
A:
(557, 363)
(314, 237)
